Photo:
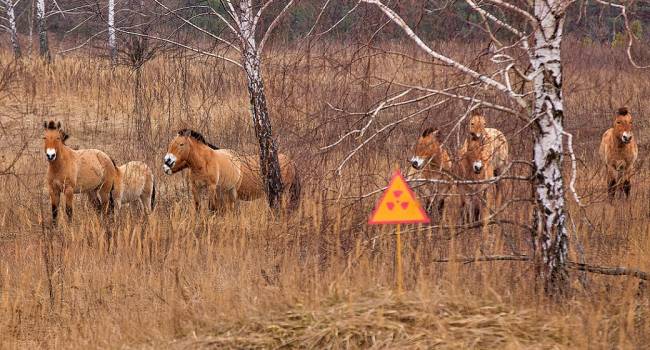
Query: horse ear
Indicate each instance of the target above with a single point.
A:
(58, 125)
(623, 111)
(64, 136)
(430, 131)
(45, 124)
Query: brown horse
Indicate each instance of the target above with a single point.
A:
(475, 165)
(71, 171)
(226, 176)
(432, 159)
(135, 184)
(619, 151)
(494, 146)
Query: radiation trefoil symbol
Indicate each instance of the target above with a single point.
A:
(398, 205)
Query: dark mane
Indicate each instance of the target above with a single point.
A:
(52, 125)
(428, 131)
(196, 136)
(623, 111)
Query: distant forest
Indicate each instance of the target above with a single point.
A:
(76, 21)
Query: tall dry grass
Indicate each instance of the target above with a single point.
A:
(318, 277)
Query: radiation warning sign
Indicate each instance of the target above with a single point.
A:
(398, 205)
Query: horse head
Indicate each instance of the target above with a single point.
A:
(426, 148)
(623, 126)
(472, 161)
(477, 127)
(54, 139)
(177, 155)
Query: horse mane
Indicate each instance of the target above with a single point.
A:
(623, 111)
(428, 131)
(196, 136)
(51, 125)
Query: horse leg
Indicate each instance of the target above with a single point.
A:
(104, 194)
(145, 203)
(196, 196)
(611, 188)
(232, 199)
(94, 201)
(69, 192)
(55, 198)
(627, 186)
(213, 200)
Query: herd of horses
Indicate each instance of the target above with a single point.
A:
(484, 155)
(221, 173)
(227, 177)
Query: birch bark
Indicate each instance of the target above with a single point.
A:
(269, 163)
(112, 43)
(41, 28)
(551, 239)
(13, 32)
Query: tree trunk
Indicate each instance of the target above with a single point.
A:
(112, 45)
(269, 163)
(41, 28)
(551, 240)
(11, 17)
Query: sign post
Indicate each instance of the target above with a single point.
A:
(397, 206)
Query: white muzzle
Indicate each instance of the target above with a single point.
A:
(50, 154)
(168, 163)
(417, 162)
(626, 137)
(477, 166)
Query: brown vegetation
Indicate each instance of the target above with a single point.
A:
(318, 276)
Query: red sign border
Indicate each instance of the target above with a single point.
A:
(396, 175)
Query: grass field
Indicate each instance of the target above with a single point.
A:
(318, 277)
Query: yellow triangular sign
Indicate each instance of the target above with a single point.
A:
(398, 205)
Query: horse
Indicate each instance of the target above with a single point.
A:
(432, 162)
(135, 184)
(494, 146)
(619, 151)
(89, 171)
(474, 165)
(226, 176)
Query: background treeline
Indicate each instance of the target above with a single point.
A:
(76, 21)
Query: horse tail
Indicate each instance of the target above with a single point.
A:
(111, 201)
(294, 190)
(153, 195)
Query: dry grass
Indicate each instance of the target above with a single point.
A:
(318, 277)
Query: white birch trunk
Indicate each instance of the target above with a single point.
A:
(112, 42)
(269, 164)
(13, 32)
(551, 241)
(41, 28)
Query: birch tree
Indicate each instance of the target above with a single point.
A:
(41, 28)
(11, 27)
(538, 35)
(244, 36)
(112, 42)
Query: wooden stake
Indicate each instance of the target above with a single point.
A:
(398, 260)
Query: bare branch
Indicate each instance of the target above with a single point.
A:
(466, 70)
(210, 54)
(372, 118)
(272, 26)
(387, 126)
(630, 34)
(611, 271)
(603, 270)
(191, 24)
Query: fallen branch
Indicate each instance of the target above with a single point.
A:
(611, 271)
(467, 260)
(603, 270)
